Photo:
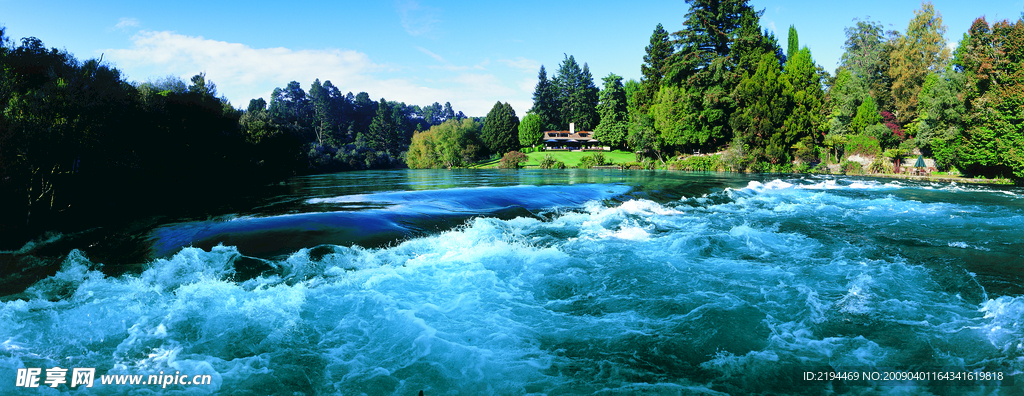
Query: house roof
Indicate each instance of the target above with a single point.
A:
(565, 136)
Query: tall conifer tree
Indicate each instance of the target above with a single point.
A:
(544, 102)
(793, 45)
(657, 55)
(613, 127)
(500, 133)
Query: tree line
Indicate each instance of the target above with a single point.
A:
(724, 84)
(570, 96)
(80, 145)
(78, 141)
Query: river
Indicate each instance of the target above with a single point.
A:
(568, 282)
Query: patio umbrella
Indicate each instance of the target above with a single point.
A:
(920, 162)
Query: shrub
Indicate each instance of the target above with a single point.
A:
(590, 161)
(760, 167)
(702, 163)
(885, 136)
(880, 165)
(784, 168)
(805, 150)
(512, 160)
(863, 145)
(821, 168)
(548, 162)
(851, 168)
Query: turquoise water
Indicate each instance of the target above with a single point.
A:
(561, 283)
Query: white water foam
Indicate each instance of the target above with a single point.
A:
(639, 296)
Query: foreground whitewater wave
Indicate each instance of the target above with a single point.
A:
(732, 292)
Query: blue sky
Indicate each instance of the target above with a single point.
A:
(470, 53)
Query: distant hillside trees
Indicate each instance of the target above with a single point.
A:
(80, 145)
(335, 132)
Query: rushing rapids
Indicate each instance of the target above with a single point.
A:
(588, 283)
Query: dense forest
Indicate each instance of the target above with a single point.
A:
(78, 142)
(722, 84)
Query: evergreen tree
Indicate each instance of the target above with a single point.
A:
(721, 43)
(656, 57)
(257, 105)
(384, 133)
(867, 115)
(576, 96)
(449, 114)
(500, 133)
(323, 122)
(290, 106)
(750, 43)
(793, 45)
(203, 87)
(804, 92)
(846, 94)
(708, 33)
(613, 127)
(529, 131)
(589, 95)
(762, 112)
(545, 104)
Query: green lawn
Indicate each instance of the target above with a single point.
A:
(572, 158)
(486, 164)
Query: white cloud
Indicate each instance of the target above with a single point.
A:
(448, 65)
(528, 84)
(479, 92)
(432, 55)
(418, 20)
(127, 24)
(527, 65)
(242, 72)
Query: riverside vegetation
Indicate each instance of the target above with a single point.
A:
(78, 141)
(765, 109)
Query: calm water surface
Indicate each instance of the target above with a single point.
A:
(550, 282)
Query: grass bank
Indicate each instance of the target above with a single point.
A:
(572, 158)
